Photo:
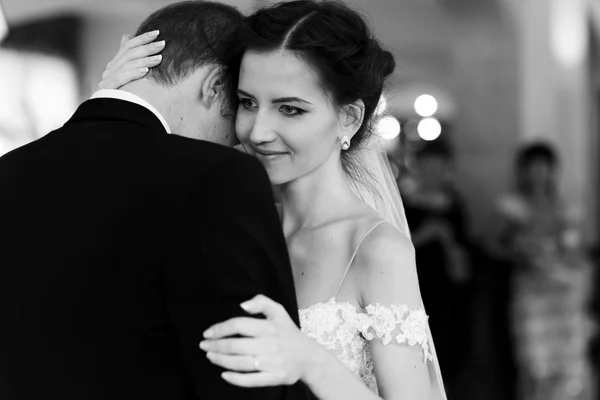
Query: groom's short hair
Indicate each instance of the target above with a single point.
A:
(197, 33)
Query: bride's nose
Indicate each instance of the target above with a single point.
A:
(263, 130)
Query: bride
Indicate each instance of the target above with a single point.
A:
(309, 83)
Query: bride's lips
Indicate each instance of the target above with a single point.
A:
(268, 154)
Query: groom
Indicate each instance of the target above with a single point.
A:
(124, 237)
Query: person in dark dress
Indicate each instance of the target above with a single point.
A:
(438, 221)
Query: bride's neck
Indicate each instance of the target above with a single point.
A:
(315, 198)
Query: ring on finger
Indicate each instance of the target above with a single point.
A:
(256, 363)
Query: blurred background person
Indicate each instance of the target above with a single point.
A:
(551, 282)
(437, 216)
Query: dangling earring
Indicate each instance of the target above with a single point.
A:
(345, 141)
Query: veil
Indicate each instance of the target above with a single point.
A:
(383, 196)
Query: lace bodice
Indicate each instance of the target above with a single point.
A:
(345, 332)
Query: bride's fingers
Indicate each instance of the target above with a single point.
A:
(124, 39)
(135, 54)
(252, 327)
(144, 38)
(240, 363)
(237, 346)
(117, 80)
(261, 304)
(128, 43)
(128, 72)
(259, 379)
(142, 51)
(146, 62)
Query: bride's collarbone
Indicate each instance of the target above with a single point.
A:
(329, 244)
(318, 259)
(321, 257)
(324, 243)
(343, 228)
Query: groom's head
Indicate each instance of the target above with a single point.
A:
(192, 86)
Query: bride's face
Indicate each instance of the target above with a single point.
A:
(285, 118)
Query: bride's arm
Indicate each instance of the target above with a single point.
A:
(329, 379)
(400, 345)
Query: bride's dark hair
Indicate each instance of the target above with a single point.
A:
(336, 41)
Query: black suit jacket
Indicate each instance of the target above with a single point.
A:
(120, 245)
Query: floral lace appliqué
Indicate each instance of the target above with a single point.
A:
(410, 326)
(344, 331)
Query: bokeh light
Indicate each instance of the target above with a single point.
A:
(429, 128)
(426, 105)
(388, 127)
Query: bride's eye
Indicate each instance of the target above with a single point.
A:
(291, 110)
(248, 104)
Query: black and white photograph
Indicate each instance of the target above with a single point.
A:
(299, 199)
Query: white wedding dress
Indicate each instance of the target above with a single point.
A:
(345, 332)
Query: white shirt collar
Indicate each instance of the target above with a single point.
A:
(126, 96)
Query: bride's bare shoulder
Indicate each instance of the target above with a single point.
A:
(385, 244)
(386, 267)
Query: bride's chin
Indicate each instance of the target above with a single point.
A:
(276, 182)
(277, 179)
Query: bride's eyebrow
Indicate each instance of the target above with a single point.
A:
(240, 91)
(278, 100)
(289, 100)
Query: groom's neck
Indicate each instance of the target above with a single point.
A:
(158, 96)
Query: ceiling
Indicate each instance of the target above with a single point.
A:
(17, 11)
(413, 25)
(23, 10)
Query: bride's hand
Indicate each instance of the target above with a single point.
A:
(133, 60)
(271, 352)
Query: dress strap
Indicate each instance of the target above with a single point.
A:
(355, 253)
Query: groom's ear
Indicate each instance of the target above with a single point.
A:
(212, 88)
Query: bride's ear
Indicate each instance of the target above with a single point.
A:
(213, 86)
(352, 117)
